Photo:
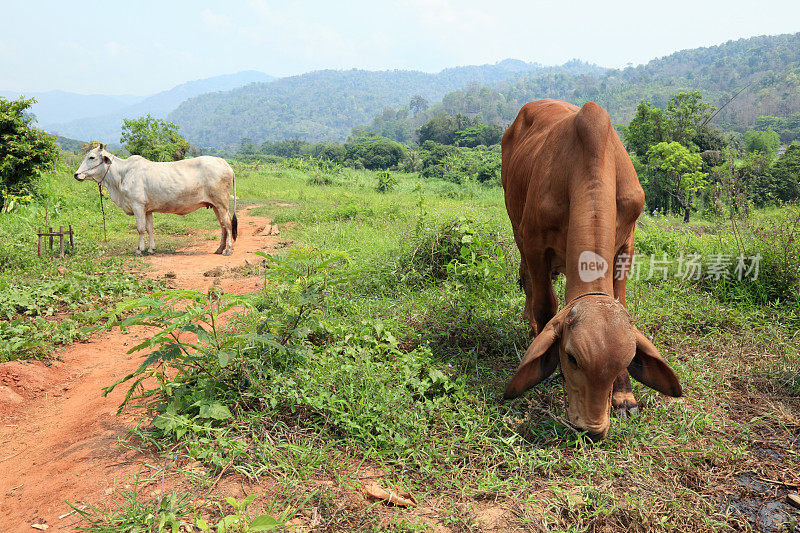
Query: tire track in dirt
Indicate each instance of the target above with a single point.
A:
(58, 435)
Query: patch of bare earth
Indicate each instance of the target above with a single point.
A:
(58, 435)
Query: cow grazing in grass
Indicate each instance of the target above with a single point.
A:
(573, 198)
(141, 188)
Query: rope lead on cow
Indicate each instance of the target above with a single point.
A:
(103, 209)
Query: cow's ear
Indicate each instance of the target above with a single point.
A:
(649, 368)
(541, 359)
(106, 159)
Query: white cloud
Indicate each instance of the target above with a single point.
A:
(215, 21)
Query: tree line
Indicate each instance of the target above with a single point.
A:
(685, 163)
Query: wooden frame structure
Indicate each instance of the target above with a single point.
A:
(61, 233)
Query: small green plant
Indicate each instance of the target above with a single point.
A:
(386, 182)
(239, 521)
(134, 514)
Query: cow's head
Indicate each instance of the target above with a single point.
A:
(95, 165)
(592, 339)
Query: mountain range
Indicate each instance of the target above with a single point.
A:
(99, 117)
(322, 105)
(758, 76)
(328, 104)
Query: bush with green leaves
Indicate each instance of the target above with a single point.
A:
(766, 142)
(154, 139)
(773, 237)
(330, 151)
(374, 152)
(458, 165)
(469, 253)
(25, 151)
(785, 183)
(386, 182)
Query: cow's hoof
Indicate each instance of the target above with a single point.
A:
(151, 252)
(623, 404)
(227, 252)
(626, 410)
(137, 252)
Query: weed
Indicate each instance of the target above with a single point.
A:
(386, 182)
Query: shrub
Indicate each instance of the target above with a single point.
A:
(386, 182)
(460, 322)
(24, 150)
(786, 175)
(458, 165)
(469, 254)
(330, 151)
(776, 239)
(154, 139)
(373, 152)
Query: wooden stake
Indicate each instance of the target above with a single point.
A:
(40, 242)
(50, 231)
(61, 242)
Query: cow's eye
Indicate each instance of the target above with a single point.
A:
(571, 359)
(91, 158)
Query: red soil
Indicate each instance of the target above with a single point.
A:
(58, 435)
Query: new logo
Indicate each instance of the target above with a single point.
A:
(591, 266)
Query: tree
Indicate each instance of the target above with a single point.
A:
(154, 139)
(786, 175)
(418, 104)
(683, 121)
(480, 134)
(331, 151)
(686, 117)
(247, 147)
(678, 171)
(766, 142)
(374, 152)
(647, 128)
(439, 129)
(25, 151)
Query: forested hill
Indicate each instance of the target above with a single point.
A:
(322, 105)
(767, 67)
(103, 123)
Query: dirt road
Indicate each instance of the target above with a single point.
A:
(58, 435)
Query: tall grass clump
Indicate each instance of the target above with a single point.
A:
(460, 249)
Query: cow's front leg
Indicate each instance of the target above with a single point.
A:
(149, 223)
(141, 227)
(623, 402)
(525, 284)
(545, 303)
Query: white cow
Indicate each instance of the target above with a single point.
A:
(141, 188)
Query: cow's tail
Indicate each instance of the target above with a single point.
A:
(234, 221)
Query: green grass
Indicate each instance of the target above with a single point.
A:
(390, 363)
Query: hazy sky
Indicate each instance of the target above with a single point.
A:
(142, 47)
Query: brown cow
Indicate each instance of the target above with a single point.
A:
(573, 198)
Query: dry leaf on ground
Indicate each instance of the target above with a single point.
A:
(376, 492)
